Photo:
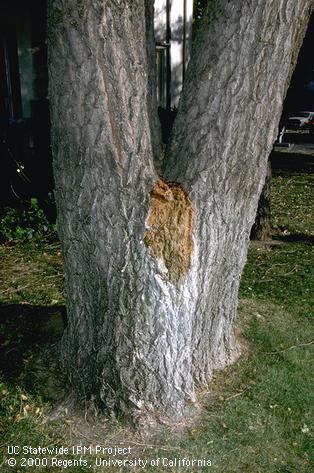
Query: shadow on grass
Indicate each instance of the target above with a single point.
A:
(287, 163)
(295, 238)
(29, 337)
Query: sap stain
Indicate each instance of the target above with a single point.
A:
(169, 233)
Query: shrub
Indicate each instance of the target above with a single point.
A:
(24, 224)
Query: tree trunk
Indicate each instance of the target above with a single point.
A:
(261, 227)
(153, 264)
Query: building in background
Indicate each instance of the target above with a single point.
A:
(173, 35)
(24, 112)
(23, 58)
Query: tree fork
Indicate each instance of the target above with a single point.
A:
(153, 265)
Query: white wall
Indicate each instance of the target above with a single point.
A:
(176, 43)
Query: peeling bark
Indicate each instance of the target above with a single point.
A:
(153, 265)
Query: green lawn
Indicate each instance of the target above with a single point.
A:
(293, 203)
(256, 415)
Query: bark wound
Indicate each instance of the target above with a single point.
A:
(169, 234)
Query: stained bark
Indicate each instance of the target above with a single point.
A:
(153, 263)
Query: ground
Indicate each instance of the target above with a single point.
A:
(255, 416)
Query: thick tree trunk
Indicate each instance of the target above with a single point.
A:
(226, 126)
(261, 229)
(153, 265)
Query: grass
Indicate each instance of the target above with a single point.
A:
(257, 415)
(282, 275)
(293, 203)
(32, 274)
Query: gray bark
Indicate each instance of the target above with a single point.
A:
(224, 132)
(153, 265)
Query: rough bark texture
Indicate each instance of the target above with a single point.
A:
(225, 129)
(153, 265)
(261, 228)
